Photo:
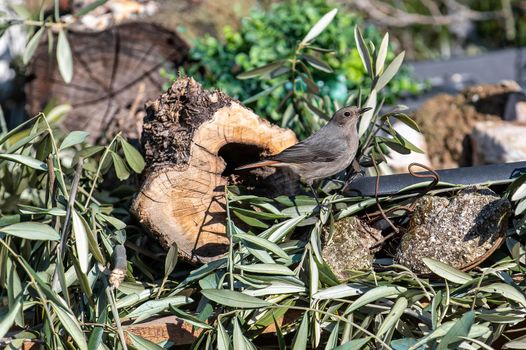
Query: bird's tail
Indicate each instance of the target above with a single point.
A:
(259, 164)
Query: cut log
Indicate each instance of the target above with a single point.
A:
(193, 140)
(115, 72)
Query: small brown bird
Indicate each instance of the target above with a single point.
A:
(324, 153)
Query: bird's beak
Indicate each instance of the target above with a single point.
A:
(363, 110)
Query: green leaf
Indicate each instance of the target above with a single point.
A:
(29, 209)
(367, 117)
(186, 317)
(393, 144)
(506, 291)
(238, 339)
(14, 290)
(171, 259)
(447, 272)
(390, 71)
(25, 160)
(382, 54)
(8, 320)
(281, 340)
(461, 329)
(153, 307)
(392, 318)
(317, 63)
(355, 344)
(141, 343)
(364, 52)
(89, 7)
(263, 70)
(223, 340)
(234, 299)
(31, 231)
(374, 295)
(64, 57)
(404, 118)
(263, 243)
(120, 168)
(32, 45)
(332, 342)
(519, 193)
(73, 138)
(518, 343)
(133, 156)
(269, 269)
(302, 334)
(319, 27)
(81, 241)
(70, 323)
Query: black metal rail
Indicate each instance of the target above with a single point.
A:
(392, 184)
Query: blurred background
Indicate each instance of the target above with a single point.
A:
(462, 79)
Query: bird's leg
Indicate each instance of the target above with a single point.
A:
(320, 205)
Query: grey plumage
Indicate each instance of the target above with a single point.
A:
(323, 154)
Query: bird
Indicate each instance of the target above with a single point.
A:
(327, 152)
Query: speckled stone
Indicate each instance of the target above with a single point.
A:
(349, 247)
(456, 231)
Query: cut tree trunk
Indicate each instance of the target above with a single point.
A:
(193, 140)
(115, 72)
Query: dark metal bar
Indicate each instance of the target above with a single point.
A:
(392, 184)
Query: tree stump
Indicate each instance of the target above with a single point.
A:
(193, 140)
(115, 72)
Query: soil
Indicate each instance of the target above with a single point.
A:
(446, 121)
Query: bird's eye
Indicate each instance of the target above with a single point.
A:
(347, 114)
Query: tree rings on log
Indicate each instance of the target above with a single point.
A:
(115, 72)
(193, 140)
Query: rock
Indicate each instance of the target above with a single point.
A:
(457, 231)
(349, 248)
(447, 120)
(400, 162)
(498, 142)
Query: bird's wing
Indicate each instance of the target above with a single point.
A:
(309, 150)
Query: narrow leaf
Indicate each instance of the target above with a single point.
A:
(447, 272)
(171, 259)
(382, 54)
(64, 57)
(70, 323)
(263, 70)
(270, 269)
(392, 318)
(234, 299)
(263, 243)
(133, 156)
(506, 291)
(73, 138)
(32, 45)
(390, 71)
(141, 343)
(25, 160)
(374, 295)
(81, 241)
(120, 168)
(319, 27)
(302, 334)
(363, 51)
(367, 117)
(31, 231)
(8, 320)
(461, 329)
(317, 63)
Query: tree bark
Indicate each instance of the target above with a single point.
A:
(193, 139)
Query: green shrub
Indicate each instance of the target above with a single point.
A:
(266, 36)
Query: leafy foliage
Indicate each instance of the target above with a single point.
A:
(266, 37)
